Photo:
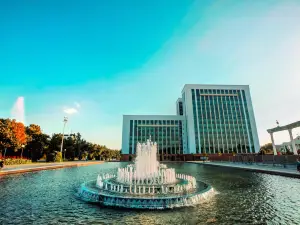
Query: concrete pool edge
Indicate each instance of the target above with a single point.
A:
(48, 167)
(87, 193)
(251, 168)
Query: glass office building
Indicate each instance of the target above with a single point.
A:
(210, 119)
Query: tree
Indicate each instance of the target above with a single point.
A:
(37, 142)
(12, 135)
(69, 147)
(54, 147)
(78, 144)
(266, 149)
(15, 136)
(19, 134)
(6, 134)
(33, 129)
(117, 154)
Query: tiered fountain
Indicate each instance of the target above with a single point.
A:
(146, 184)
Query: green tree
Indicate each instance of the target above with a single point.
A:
(69, 148)
(54, 147)
(79, 143)
(6, 134)
(266, 149)
(37, 142)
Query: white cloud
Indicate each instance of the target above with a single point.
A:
(70, 110)
(77, 104)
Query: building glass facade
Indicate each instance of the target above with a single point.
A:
(166, 133)
(221, 121)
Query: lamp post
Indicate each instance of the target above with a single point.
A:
(63, 135)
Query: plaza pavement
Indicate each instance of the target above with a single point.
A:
(24, 168)
(290, 171)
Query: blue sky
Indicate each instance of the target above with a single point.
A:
(97, 60)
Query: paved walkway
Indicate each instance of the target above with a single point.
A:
(291, 171)
(23, 168)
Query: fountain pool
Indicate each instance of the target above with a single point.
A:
(242, 197)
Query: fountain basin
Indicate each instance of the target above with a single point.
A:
(89, 192)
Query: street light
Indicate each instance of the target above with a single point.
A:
(63, 135)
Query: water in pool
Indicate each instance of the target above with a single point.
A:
(47, 197)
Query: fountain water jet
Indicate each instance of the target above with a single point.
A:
(18, 112)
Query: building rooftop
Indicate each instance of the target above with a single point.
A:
(214, 86)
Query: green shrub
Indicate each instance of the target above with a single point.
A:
(16, 161)
(84, 155)
(58, 157)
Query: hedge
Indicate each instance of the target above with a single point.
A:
(15, 161)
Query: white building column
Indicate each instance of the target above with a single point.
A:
(292, 141)
(273, 144)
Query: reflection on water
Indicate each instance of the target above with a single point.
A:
(47, 197)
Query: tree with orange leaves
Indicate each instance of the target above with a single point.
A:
(12, 135)
(19, 135)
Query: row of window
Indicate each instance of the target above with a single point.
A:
(163, 149)
(229, 149)
(154, 122)
(217, 91)
(219, 100)
(218, 124)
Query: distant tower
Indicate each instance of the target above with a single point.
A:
(18, 112)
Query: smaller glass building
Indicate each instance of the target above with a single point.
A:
(166, 131)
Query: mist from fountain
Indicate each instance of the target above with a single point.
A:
(18, 112)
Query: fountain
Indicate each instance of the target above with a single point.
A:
(17, 111)
(146, 184)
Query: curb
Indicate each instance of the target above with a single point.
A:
(17, 171)
(272, 172)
